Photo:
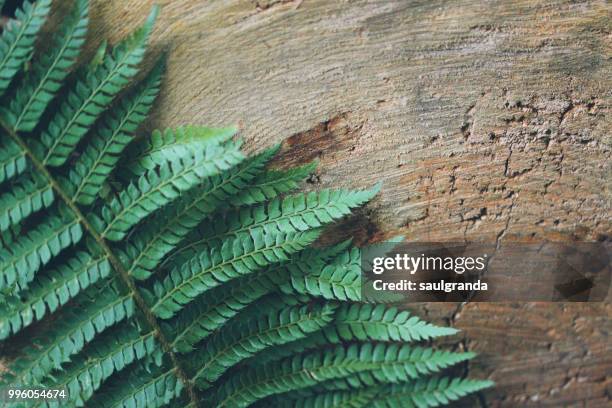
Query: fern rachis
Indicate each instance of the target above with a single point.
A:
(172, 270)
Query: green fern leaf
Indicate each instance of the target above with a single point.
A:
(292, 214)
(208, 313)
(28, 196)
(424, 393)
(91, 96)
(270, 304)
(160, 186)
(326, 337)
(415, 363)
(13, 160)
(18, 37)
(111, 136)
(97, 310)
(20, 262)
(219, 264)
(433, 392)
(271, 184)
(44, 81)
(141, 387)
(339, 279)
(294, 373)
(388, 363)
(236, 342)
(361, 398)
(50, 291)
(110, 353)
(151, 243)
(171, 144)
(362, 322)
(378, 322)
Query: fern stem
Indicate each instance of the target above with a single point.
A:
(117, 265)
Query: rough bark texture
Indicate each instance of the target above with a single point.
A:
(485, 120)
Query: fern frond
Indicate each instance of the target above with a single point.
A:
(271, 184)
(272, 303)
(291, 374)
(214, 266)
(29, 195)
(236, 342)
(361, 398)
(171, 144)
(91, 96)
(339, 279)
(48, 73)
(94, 312)
(148, 246)
(299, 212)
(309, 343)
(172, 270)
(20, 262)
(307, 261)
(13, 160)
(416, 363)
(422, 393)
(361, 322)
(208, 313)
(425, 393)
(378, 322)
(387, 362)
(18, 37)
(160, 186)
(51, 290)
(111, 136)
(108, 354)
(142, 387)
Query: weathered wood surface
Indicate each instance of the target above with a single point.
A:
(485, 120)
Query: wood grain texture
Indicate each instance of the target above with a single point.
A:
(482, 118)
(486, 120)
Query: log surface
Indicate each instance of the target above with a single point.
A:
(486, 120)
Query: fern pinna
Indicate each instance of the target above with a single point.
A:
(182, 274)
